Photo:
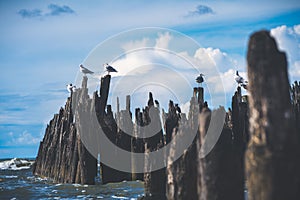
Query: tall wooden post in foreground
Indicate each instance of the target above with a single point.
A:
(272, 155)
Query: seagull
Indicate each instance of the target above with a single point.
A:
(71, 88)
(178, 111)
(245, 85)
(238, 78)
(156, 103)
(85, 70)
(200, 79)
(109, 68)
(177, 108)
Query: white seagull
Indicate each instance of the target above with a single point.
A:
(238, 78)
(156, 103)
(177, 108)
(71, 88)
(241, 81)
(85, 70)
(245, 85)
(109, 68)
(200, 79)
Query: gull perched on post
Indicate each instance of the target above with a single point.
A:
(245, 85)
(156, 103)
(84, 70)
(200, 79)
(109, 68)
(238, 78)
(71, 88)
(177, 108)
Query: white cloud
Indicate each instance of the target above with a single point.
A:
(228, 84)
(185, 107)
(24, 138)
(163, 40)
(295, 71)
(170, 74)
(135, 44)
(297, 29)
(288, 40)
(215, 57)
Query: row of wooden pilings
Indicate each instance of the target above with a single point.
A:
(257, 155)
(257, 150)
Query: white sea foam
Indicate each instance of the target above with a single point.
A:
(118, 197)
(15, 164)
(34, 178)
(12, 176)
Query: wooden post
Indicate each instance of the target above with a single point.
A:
(118, 105)
(62, 155)
(128, 103)
(84, 82)
(154, 181)
(104, 89)
(217, 171)
(171, 121)
(296, 102)
(200, 96)
(272, 165)
(137, 144)
(240, 139)
(182, 173)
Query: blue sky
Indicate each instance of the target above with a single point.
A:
(43, 42)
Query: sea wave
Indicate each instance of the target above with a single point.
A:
(119, 197)
(15, 164)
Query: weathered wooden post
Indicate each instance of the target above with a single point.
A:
(62, 155)
(217, 171)
(109, 127)
(154, 181)
(87, 163)
(240, 135)
(123, 140)
(296, 103)
(171, 121)
(272, 158)
(104, 90)
(137, 143)
(182, 173)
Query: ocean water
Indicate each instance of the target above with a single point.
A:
(18, 182)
